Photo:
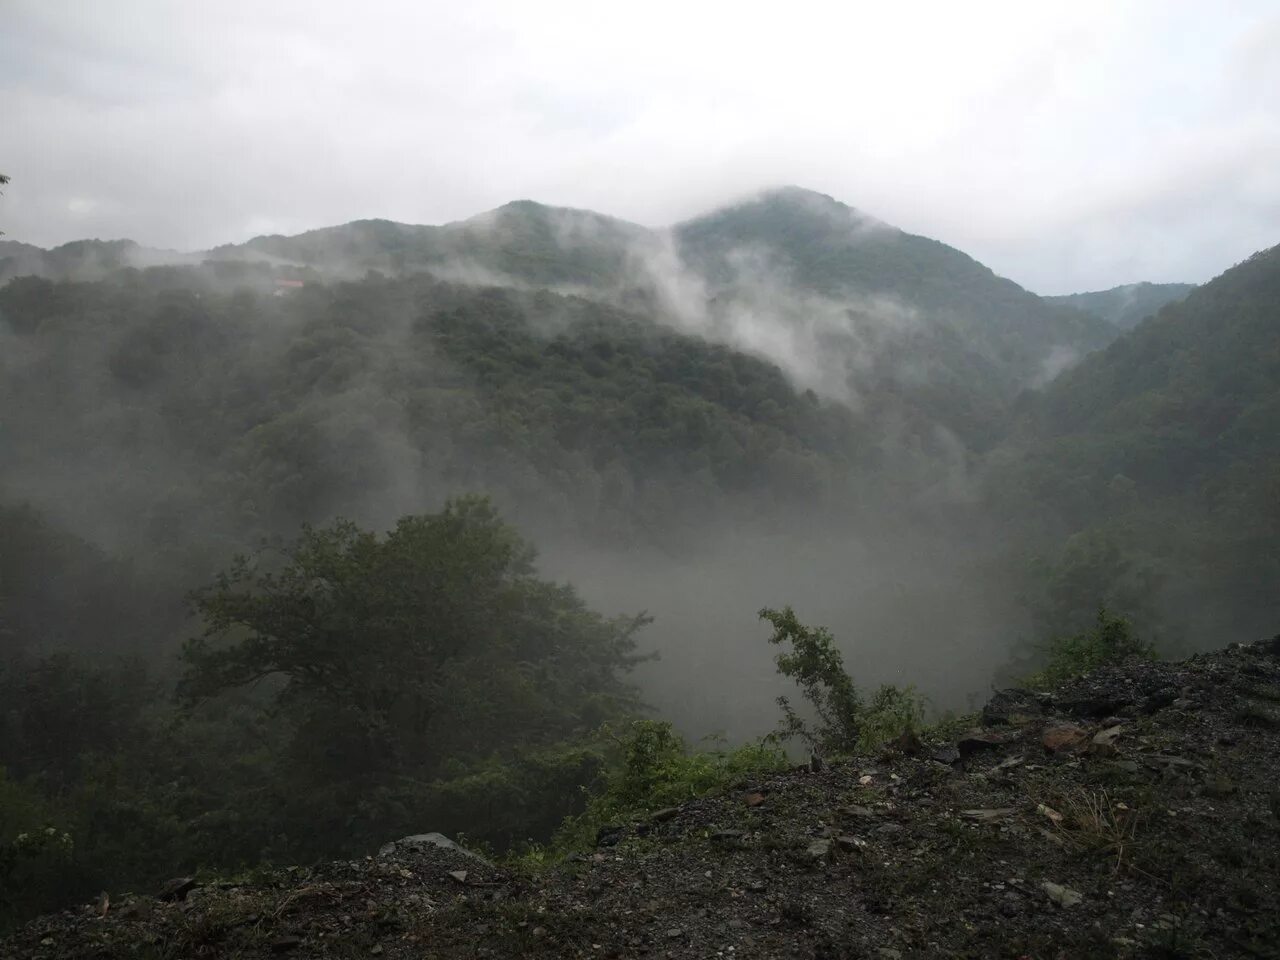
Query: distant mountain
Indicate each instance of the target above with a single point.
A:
(885, 310)
(1126, 306)
(81, 259)
(519, 243)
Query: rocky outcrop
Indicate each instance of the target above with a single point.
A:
(1150, 828)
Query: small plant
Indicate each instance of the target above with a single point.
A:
(817, 667)
(1096, 821)
(655, 768)
(1112, 640)
(891, 712)
(844, 721)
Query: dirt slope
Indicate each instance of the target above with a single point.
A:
(1134, 813)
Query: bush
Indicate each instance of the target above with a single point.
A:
(654, 768)
(1111, 640)
(844, 721)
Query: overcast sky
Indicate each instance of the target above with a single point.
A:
(1069, 146)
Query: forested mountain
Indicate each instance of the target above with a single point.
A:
(1126, 306)
(1164, 447)
(902, 326)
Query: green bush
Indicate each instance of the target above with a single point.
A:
(1111, 640)
(844, 721)
(653, 768)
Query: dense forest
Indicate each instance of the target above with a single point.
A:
(268, 582)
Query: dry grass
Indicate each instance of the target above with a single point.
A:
(1093, 820)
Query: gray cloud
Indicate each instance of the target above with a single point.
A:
(1066, 147)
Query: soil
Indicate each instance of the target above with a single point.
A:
(1131, 813)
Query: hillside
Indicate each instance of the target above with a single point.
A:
(1131, 813)
(1166, 441)
(1126, 306)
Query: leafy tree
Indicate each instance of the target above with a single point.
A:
(409, 656)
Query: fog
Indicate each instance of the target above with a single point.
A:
(899, 562)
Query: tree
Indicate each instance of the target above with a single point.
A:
(413, 653)
(3, 180)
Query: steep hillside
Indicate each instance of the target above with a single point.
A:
(1128, 305)
(1128, 814)
(135, 401)
(1167, 441)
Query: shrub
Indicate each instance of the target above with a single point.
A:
(844, 721)
(1111, 640)
(654, 768)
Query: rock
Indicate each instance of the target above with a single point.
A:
(888, 828)
(663, 815)
(850, 844)
(907, 742)
(976, 741)
(1094, 705)
(459, 875)
(1014, 707)
(888, 953)
(1104, 741)
(177, 888)
(815, 763)
(818, 849)
(947, 755)
(1064, 737)
(609, 835)
(753, 799)
(989, 815)
(857, 810)
(675, 933)
(285, 943)
(728, 836)
(1159, 700)
(1063, 896)
(423, 840)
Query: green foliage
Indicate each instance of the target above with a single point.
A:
(1111, 640)
(401, 653)
(817, 667)
(32, 865)
(844, 721)
(891, 711)
(653, 767)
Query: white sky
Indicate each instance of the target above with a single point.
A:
(1070, 146)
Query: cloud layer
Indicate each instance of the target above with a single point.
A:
(1069, 147)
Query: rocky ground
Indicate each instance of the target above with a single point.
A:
(1133, 813)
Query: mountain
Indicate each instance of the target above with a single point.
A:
(81, 259)
(852, 308)
(1128, 305)
(520, 243)
(877, 311)
(1167, 441)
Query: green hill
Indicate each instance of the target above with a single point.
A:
(1166, 442)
